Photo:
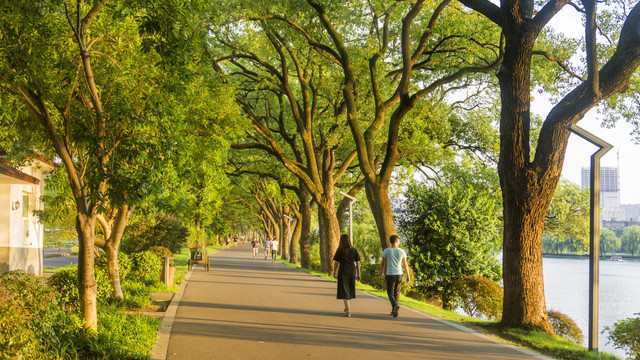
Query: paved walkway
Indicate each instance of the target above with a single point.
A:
(251, 308)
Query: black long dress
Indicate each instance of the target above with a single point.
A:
(347, 273)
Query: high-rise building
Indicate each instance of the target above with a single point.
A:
(609, 192)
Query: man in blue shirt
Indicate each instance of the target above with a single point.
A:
(393, 261)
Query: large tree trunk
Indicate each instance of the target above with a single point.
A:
(329, 230)
(294, 243)
(380, 204)
(87, 287)
(305, 227)
(524, 202)
(524, 302)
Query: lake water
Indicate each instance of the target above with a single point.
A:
(566, 286)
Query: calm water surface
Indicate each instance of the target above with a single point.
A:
(566, 285)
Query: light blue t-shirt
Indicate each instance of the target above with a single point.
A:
(394, 258)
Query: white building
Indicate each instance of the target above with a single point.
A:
(21, 235)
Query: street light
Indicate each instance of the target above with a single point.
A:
(594, 232)
(351, 201)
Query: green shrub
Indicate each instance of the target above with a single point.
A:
(65, 282)
(163, 231)
(625, 335)
(160, 251)
(478, 297)
(121, 336)
(370, 275)
(28, 309)
(565, 326)
(124, 264)
(146, 264)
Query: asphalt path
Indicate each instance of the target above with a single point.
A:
(251, 308)
(55, 262)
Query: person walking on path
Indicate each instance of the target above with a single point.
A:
(254, 245)
(267, 247)
(347, 271)
(274, 249)
(393, 261)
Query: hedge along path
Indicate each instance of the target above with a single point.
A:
(249, 308)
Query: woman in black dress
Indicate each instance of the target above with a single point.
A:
(347, 271)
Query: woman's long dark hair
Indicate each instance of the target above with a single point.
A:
(345, 243)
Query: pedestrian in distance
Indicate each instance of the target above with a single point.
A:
(393, 261)
(255, 244)
(347, 271)
(267, 247)
(274, 249)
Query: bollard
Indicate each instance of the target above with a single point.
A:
(167, 272)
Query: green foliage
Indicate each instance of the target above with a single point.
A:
(478, 297)
(28, 309)
(565, 326)
(146, 264)
(122, 336)
(567, 221)
(609, 242)
(124, 264)
(554, 346)
(196, 238)
(370, 275)
(145, 233)
(451, 232)
(625, 334)
(631, 239)
(160, 251)
(65, 282)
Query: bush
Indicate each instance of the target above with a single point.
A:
(370, 275)
(160, 251)
(65, 282)
(146, 264)
(121, 336)
(124, 264)
(564, 326)
(625, 334)
(28, 309)
(478, 297)
(163, 231)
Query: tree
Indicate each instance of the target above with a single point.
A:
(631, 239)
(528, 179)
(609, 242)
(452, 232)
(435, 54)
(568, 215)
(75, 74)
(288, 96)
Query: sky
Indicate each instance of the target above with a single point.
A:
(579, 151)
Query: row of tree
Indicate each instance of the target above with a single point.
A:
(140, 101)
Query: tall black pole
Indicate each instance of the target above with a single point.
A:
(594, 232)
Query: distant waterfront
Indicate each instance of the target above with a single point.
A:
(566, 283)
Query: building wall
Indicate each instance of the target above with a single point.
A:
(5, 221)
(21, 235)
(609, 192)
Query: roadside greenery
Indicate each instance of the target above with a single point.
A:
(36, 325)
(625, 334)
(451, 232)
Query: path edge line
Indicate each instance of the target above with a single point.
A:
(161, 347)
